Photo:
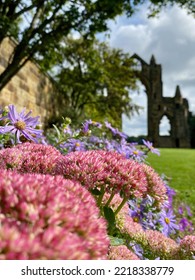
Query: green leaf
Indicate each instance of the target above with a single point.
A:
(57, 131)
(115, 241)
(109, 215)
(96, 192)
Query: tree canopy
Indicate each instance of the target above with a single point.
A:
(39, 25)
(94, 81)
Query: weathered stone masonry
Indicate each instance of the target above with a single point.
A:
(175, 108)
(28, 88)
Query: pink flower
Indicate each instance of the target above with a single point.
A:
(48, 217)
(121, 253)
(153, 242)
(96, 169)
(133, 229)
(187, 247)
(160, 245)
(30, 158)
(156, 186)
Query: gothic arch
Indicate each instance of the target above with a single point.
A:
(175, 108)
(168, 119)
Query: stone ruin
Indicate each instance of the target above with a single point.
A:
(176, 108)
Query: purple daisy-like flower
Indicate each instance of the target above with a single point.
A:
(184, 224)
(87, 123)
(22, 124)
(115, 131)
(138, 250)
(73, 145)
(68, 131)
(109, 145)
(136, 154)
(170, 193)
(149, 145)
(180, 210)
(188, 211)
(168, 222)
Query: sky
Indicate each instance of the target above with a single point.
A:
(170, 37)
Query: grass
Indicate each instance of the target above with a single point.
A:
(179, 165)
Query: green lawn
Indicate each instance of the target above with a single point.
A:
(179, 165)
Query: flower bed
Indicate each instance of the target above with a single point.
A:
(84, 193)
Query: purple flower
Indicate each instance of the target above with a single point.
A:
(22, 124)
(136, 154)
(149, 145)
(170, 193)
(138, 250)
(188, 211)
(109, 145)
(94, 142)
(144, 212)
(115, 131)
(180, 210)
(67, 130)
(73, 145)
(185, 224)
(168, 222)
(87, 124)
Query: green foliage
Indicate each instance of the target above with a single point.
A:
(94, 81)
(45, 23)
(116, 241)
(157, 5)
(40, 25)
(110, 217)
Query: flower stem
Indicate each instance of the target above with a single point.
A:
(110, 199)
(121, 205)
(101, 196)
(15, 138)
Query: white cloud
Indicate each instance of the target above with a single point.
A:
(171, 38)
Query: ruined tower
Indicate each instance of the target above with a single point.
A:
(175, 108)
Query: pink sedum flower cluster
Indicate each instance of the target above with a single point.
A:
(156, 186)
(49, 217)
(121, 253)
(160, 245)
(113, 172)
(45, 216)
(30, 158)
(150, 240)
(187, 247)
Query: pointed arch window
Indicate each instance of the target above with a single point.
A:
(165, 126)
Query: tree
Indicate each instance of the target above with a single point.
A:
(39, 25)
(157, 5)
(94, 81)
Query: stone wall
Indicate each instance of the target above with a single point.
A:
(29, 88)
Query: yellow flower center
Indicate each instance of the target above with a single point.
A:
(136, 219)
(78, 144)
(135, 152)
(167, 221)
(20, 125)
